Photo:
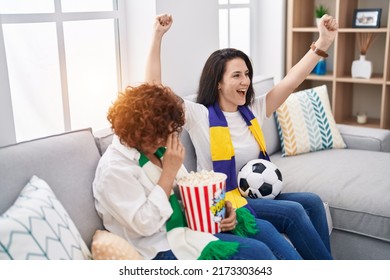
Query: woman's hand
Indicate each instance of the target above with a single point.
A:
(229, 222)
(174, 155)
(327, 28)
(153, 64)
(162, 23)
(171, 162)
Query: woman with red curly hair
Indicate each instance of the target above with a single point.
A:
(143, 117)
(134, 181)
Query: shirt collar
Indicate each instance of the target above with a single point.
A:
(128, 152)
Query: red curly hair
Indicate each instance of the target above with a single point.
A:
(144, 115)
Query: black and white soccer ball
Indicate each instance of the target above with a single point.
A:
(260, 178)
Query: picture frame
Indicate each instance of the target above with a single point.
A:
(367, 18)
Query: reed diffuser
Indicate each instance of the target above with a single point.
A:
(364, 41)
(362, 68)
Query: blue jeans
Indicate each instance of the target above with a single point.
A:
(301, 216)
(267, 244)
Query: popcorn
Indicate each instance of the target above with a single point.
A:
(202, 177)
(203, 195)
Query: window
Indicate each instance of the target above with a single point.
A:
(234, 24)
(62, 64)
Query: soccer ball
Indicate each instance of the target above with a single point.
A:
(260, 178)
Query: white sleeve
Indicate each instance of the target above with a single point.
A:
(194, 113)
(125, 196)
(259, 109)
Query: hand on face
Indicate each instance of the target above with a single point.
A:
(174, 155)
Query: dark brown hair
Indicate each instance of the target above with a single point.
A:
(212, 74)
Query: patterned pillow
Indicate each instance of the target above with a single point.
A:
(38, 227)
(108, 246)
(306, 124)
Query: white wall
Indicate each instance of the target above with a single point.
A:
(139, 25)
(191, 39)
(194, 36)
(270, 21)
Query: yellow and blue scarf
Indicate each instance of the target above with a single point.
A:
(222, 155)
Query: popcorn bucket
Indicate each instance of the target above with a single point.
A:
(203, 196)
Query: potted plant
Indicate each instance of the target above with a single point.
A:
(319, 11)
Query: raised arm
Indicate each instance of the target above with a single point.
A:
(153, 65)
(297, 74)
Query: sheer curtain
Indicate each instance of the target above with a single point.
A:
(62, 64)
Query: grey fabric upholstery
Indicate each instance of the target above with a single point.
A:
(67, 162)
(365, 138)
(351, 246)
(103, 139)
(271, 135)
(353, 182)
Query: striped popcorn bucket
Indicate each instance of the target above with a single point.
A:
(204, 203)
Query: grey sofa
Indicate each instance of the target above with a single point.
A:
(67, 162)
(353, 181)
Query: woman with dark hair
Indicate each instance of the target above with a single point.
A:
(227, 115)
(213, 71)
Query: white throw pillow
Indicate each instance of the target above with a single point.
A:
(38, 227)
(306, 124)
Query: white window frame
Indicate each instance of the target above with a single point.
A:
(251, 5)
(267, 41)
(7, 126)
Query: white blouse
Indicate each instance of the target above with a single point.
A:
(129, 204)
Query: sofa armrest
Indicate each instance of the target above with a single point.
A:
(365, 138)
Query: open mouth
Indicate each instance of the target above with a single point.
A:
(241, 92)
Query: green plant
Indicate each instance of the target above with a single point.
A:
(320, 11)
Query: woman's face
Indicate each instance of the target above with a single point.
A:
(151, 149)
(160, 142)
(234, 85)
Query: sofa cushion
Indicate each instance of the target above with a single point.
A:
(271, 135)
(306, 124)
(67, 162)
(353, 182)
(103, 139)
(109, 246)
(365, 138)
(37, 226)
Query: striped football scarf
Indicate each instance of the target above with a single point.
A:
(185, 243)
(222, 155)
